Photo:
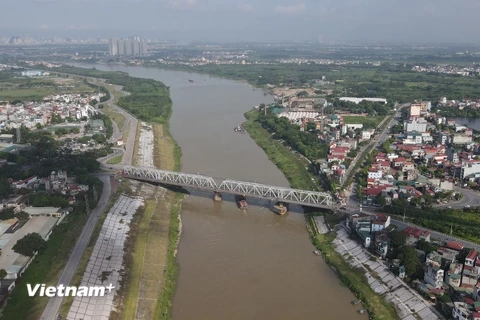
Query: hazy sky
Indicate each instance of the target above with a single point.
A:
(240, 20)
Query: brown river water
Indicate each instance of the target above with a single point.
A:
(235, 264)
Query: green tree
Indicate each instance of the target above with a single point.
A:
(22, 215)
(397, 239)
(4, 188)
(408, 257)
(29, 244)
(3, 273)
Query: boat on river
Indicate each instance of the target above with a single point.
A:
(241, 202)
(239, 129)
(190, 80)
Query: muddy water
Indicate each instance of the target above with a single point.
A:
(233, 264)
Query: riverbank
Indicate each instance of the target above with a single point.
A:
(292, 167)
(155, 229)
(299, 177)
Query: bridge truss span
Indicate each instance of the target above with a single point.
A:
(252, 189)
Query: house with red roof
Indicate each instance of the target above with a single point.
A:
(455, 245)
(379, 222)
(471, 258)
(397, 163)
(414, 234)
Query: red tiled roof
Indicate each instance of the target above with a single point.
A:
(472, 254)
(415, 232)
(455, 245)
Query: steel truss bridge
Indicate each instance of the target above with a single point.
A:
(249, 189)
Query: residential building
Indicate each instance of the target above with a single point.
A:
(434, 276)
(417, 124)
(470, 168)
(379, 222)
(414, 234)
(358, 100)
(471, 258)
(461, 311)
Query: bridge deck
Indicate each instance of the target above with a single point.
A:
(252, 189)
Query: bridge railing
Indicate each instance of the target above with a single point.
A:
(230, 186)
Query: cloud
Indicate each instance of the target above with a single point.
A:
(81, 27)
(44, 27)
(296, 8)
(245, 7)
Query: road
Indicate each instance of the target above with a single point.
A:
(378, 140)
(470, 198)
(436, 235)
(51, 310)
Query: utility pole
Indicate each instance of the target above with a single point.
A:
(451, 229)
(403, 214)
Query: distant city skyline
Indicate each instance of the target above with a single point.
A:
(366, 21)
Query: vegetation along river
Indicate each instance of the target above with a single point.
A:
(233, 264)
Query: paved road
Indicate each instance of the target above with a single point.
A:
(379, 139)
(436, 235)
(470, 198)
(51, 310)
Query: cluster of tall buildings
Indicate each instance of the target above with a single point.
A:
(133, 46)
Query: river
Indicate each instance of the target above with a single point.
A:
(469, 122)
(234, 264)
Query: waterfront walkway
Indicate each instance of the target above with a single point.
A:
(409, 304)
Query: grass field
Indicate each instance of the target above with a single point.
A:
(46, 268)
(115, 160)
(118, 118)
(37, 89)
(368, 122)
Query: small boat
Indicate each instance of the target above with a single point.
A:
(362, 311)
(190, 80)
(241, 202)
(217, 196)
(354, 302)
(316, 252)
(239, 129)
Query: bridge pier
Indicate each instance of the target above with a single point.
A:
(217, 196)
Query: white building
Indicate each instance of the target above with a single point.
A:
(461, 139)
(366, 135)
(354, 126)
(358, 100)
(470, 168)
(374, 174)
(418, 125)
(461, 311)
(434, 276)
